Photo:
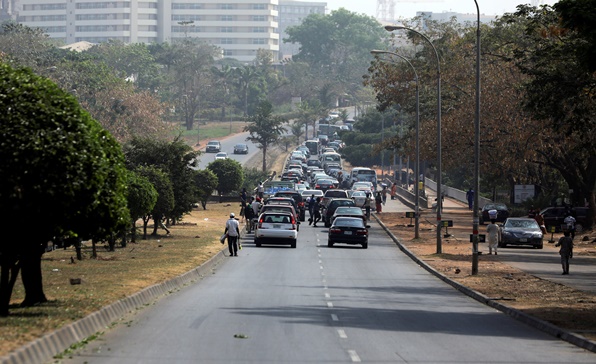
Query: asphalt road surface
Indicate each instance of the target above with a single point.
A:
(315, 304)
(227, 145)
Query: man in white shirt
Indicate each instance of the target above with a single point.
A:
(233, 232)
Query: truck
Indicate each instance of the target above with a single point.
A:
(271, 187)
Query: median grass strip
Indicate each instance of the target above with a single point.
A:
(113, 275)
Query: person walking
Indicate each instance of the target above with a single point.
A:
(566, 250)
(569, 222)
(493, 232)
(379, 202)
(394, 191)
(317, 211)
(384, 194)
(540, 220)
(311, 206)
(367, 205)
(233, 233)
(249, 214)
(243, 201)
(470, 199)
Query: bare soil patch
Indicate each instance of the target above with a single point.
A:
(568, 308)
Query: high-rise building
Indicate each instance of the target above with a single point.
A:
(238, 27)
(291, 13)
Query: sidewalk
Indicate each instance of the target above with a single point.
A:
(541, 263)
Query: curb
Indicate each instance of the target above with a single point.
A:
(541, 325)
(46, 347)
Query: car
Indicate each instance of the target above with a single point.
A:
(276, 228)
(348, 230)
(241, 149)
(363, 186)
(313, 162)
(213, 146)
(304, 149)
(309, 193)
(297, 196)
(359, 197)
(281, 208)
(324, 184)
(221, 155)
(521, 231)
(502, 212)
(554, 216)
(329, 210)
(348, 211)
(301, 187)
(333, 193)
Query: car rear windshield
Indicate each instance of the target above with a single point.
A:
(335, 194)
(277, 218)
(348, 222)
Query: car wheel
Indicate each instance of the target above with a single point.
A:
(364, 245)
(327, 224)
(257, 242)
(502, 245)
(293, 244)
(329, 244)
(539, 246)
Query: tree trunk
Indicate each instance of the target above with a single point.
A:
(78, 250)
(93, 249)
(265, 158)
(145, 223)
(9, 271)
(133, 233)
(204, 204)
(31, 277)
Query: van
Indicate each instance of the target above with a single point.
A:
(363, 174)
(330, 157)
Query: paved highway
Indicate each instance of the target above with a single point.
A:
(227, 145)
(315, 304)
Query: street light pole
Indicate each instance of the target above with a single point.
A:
(391, 28)
(416, 187)
(475, 222)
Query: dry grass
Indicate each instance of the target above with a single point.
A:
(113, 276)
(563, 306)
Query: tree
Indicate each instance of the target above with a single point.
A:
(206, 182)
(264, 128)
(142, 197)
(165, 197)
(229, 175)
(79, 185)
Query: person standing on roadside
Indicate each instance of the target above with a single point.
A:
(243, 201)
(249, 214)
(566, 250)
(394, 191)
(384, 194)
(379, 202)
(233, 232)
(367, 205)
(569, 222)
(311, 206)
(317, 211)
(493, 232)
(470, 198)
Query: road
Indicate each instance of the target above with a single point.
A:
(227, 145)
(315, 304)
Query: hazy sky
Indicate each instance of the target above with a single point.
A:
(408, 8)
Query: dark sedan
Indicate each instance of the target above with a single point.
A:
(502, 212)
(348, 211)
(324, 184)
(240, 149)
(348, 230)
(329, 210)
(521, 231)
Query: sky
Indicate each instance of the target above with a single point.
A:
(408, 8)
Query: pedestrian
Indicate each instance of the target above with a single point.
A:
(384, 193)
(311, 206)
(540, 220)
(233, 233)
(470, 198)
(243, 200)
(394, 191)
(256, 206)
(317, 211)
(569, 222)
(494, 236)
(249, 214)
(379, 202)
(367, 205)
(260, 189)
(566, 250)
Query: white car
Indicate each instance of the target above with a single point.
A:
(363, 186)
(276, 228)
(300, 187)
(221, 155)
(308, 193)
(358, 196)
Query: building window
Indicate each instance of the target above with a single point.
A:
(186, 17)
(226, 6)
(226, 30)
(228, 53)
(258, 18)
(226, 41)
(259, 6)
(259, 30)
(227, 18)
(259, 41)
(187, 6)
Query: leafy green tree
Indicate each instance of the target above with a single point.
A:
(177, 160)
(23, 46)
(142, 197)
(165, 198)
(206, 182)
(265, 128)
(79, 185)
(229, 175)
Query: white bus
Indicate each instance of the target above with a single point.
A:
(363, 174)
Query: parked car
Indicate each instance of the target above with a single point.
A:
(358, 197)
(297, 196)
(281, 208)
(554, 216)
(241, 149)
(502, 212)
(521, 231)
(348, 211)
(365, 186)
(348, 230)
(276, 228)
(221, 155)
(329, 210)
(213, 146)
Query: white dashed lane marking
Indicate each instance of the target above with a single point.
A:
(354, 356)
(334, 317)
(342, 334)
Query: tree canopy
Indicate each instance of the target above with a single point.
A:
(265, 128)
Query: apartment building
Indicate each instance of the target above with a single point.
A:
(292, 13)
(238, 27)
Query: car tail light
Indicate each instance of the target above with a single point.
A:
(260, 223)
(362, 232)
(317, 186)
(335, 231)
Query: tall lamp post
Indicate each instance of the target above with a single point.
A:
(391, 28)
(476, 151)
(416, 187)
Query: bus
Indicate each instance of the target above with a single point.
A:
(363, 174)
(313, 146)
